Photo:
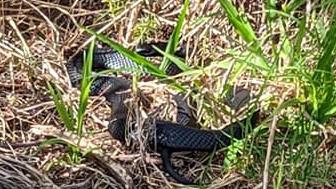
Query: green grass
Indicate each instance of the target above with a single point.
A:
(175, 36)
(295, 160)
(67, 114)
(244, 29)
(85, 89)
(322, 93)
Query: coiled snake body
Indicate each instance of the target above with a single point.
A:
(169, 137)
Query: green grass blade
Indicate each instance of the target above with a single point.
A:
(177, 61)
(323, 76)
(138, 59)
(299, 37)
(52, 141)
(85, 89)
(65, 113)
(293, 5)
(244, 29)
(324, 65)
(242, 26)
(175, 37)
(74, 152)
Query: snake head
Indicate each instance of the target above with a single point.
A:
(147, 49)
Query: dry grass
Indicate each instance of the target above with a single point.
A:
(36, 40)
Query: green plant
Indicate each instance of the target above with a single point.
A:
(66, 113)
(297, 57)
(244, 29)
(85, 89)
(145, 27)
(322, 89)
(175, 37)
(115, 6)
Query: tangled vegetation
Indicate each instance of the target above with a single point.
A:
(55, 136)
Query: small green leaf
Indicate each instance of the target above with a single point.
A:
(85, 89)
(177, 61)
(52, 141)
(175, 37)
(245, 30)
(64, 112)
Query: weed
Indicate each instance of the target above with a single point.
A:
(115, 6)
(67, 114)
(145, 27)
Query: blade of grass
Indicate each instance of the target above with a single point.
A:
(245, 30)
(177, 61)
(64, 112)
(242, 26)
(175, 37)
(85, 88)
(299, 37)
(73, 154)
(293, 5)
(51, 142)
(323, 75)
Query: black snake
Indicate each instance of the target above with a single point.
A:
(169, 137)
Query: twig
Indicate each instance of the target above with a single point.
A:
(85, 184)
(21, 168)
(50, 23)
(115, 170)
(269, 149)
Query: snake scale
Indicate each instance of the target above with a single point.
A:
(169, 137)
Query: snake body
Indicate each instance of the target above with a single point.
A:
(169, 137)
